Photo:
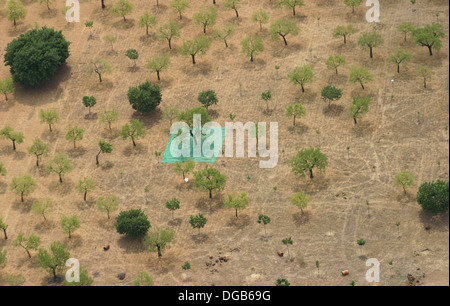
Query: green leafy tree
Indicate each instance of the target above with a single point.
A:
(186, 266)
(47, 3)
(429, 36)
(38, 148)
(282, 282)
(8, 133)
(359, 107)
(70, 224)
(300, 200)
(209, 179)
(7, 87)
(133, 223)
(264, 220)
(74, 134)
(15, 11)
(43, 207)
(134, 131)
(188, 116)
(147, 21)
(143, 280)
(434, 196)
(207, 98)
(306, 160)
(424, 72)
(158, 64)
(267, 96)
(108, 204)
(100, 67)
(122, 8)
(29, 243)
(404, 179)
(89, 102)
(287, 242)
(237, 202)
(170, 114)
(132, 54)
(145, 98)
(206, 17)
(224, 34)
(105, 148)
(173, 205)
(198, 221)
(406, 28)
(370, 41)
(85, 280)
(330, 93)
(168, 32)
(49, 117)
(400, 57)
(23, 186)
(291, 4)
(3, 227)
(180, 6)
(35, 56)
(282, 28)
(184, 167)
(353, 3)
(260, 17)
(252, 46)
(233, 5)
(361, 75)
(335, 61)
(84, 186)
(158, 239)
(344, 31)
(302, 75)
(295, 110)
(199, 45)
(55, 260)
(109, 116)
(60, 165)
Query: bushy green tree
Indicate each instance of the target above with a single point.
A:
(361, 75)
(75, 134)
(370, 41)
(173, 205)
(8, 133)
(434, 196)
(207, 17)
(105, 147)
(359, 107)
(108, 204)
(252, 46)
(70, 224)
(429, 36)
(199, 45)
(7, 87)
(35, 56)
(330, 93)
(207, 98)
(404, 179)
(306, 160)
(49, 117)
(132, 54)
(122, 8)
(198, 221)
(84, 186)
(133, 223)
(264, 220)
(29, 243)
(145, 98)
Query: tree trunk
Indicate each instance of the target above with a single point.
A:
(103, 4)
(398, 68)
(293, 10)
(4, 233)
(74, 144)
(371, 52)
(159, 251)
(236, 213)
(362, 85)
(345, 39)
(303, 88)
(311, 176)
(37, 161)
(285, 41)
(97, 157)
(100, 77)
(294, 119)
(6, 97)
(226, 44)
(157, 73)
(14, 22)
(28, 252)
(50, 126)
(134, 143)
(85, 194)
(425, 83)
(355, 121)
(14, 143)
(237, 14)
(170, 44)
(193, 58)
(210, 194)
(431, 50)
(21, 197)
(60, 178)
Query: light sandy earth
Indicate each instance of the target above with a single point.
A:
(387, 140)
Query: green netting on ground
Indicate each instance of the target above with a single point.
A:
(168, 158)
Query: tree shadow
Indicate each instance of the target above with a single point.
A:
(74, 242)
(124, 25)
(63, 188)
(44, 226)
(175, 222)
(50, 136)
(3, 187)
(48, 14)
(107, 165)
(300, 219)
(200, 238)
(133, 69)
(131, 246)
(201, 68)
(435, 222)
(240, 222)
(211, 205)
(76, 152)
(110, 135)
(333, 110)
(91, 116)
(150, 119)
(299, 129)
(362, 129)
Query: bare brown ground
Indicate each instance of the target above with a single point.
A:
(388, 140)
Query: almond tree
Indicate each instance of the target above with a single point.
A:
(134, 131)
(49, 117)
(43, 207)
(224, 34)
(122, 8)
(7, 87)
(55, 260)
(46, 2)
(158, 64)
(8, 133)
(84, 186)
(282, 28)
(399, 57)
(168, 32)
(2, 170)
(429, 36)
(361, 75)
(180, 6)
(302, 75)
(23, 185)
(108, 204)
(306, 160)
(260, 17)
(200, 44)
(233, 5)
(404, 179)
(100, 67)
(109, 116)
(405, 29)
(423, 71)
(15, 11)
(291, 4)
(344, 31)
(300, 200)
(74, 134)
(3, 227)
(206, 17)
(359, 107)
(70, 224)
(105, 147)
(237, 202)
(60, 165)
(295, 110)
(184, 167)
(370, 41)
(158, 239)
(335, 61)
(252, 45)
(353, 3)
(147, 21)
(38, 148)
(209, 179)
(31, 242)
